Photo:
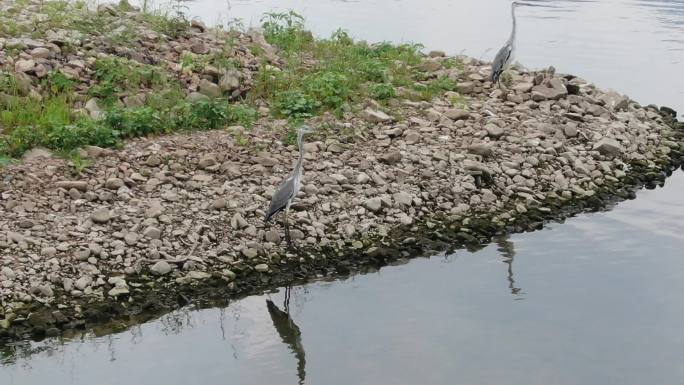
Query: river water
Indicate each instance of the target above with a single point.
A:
(594, 300)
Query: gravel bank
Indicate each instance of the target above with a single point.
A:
(174, 219)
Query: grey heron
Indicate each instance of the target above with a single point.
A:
(288, 189)
(505, 55)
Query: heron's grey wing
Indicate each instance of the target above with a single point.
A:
(500, 61)
(281, 197)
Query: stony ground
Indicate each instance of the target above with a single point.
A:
(186, 208)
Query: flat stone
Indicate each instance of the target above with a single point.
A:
(250, 253)
(195, 97)
(402, 199)
(373, 204)
(482, 149)
(209, 88)
(161, 268)
(456, 114)
(608, 147)
(374, 116)
(24, 65)
(391, 158)
(494, 131)
(219, 203)
(101, 216)
(272, 236)
(554, 89)
(261, 268)
(114, 183)
(131, 238)
(75, 184)
(152, 232)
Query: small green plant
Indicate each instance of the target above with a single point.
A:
(382, 91)
(295, 104)
(76, 161)
(286, 30)
(290, 137)
(329, 89)
(57, 83)
(241, 140)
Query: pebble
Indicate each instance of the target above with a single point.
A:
(101, 216)
(261, 268)
(161, 268)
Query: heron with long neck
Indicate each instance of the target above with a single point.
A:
(286, 193)
(505, 55)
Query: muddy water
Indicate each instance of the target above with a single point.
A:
(595, 300)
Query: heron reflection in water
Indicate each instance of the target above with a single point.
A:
(507, 250)
(289, 332)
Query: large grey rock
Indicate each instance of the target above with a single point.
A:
(161, 268)
(391, 158)
(195, 97)
(494, 131)
(614, 101)
(114, 183)
(230, 81)
(374, 116)
(608, 147)
(553, 89)
(101, 216)
(402, 199)
(482, 149)
(373, 204)
(24, 65)
(209, 88)
(456, 114)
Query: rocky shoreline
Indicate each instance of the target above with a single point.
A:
(171, 220)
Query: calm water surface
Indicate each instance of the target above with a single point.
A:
(595, 300)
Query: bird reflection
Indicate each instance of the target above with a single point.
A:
(289, 332)
(507, 250)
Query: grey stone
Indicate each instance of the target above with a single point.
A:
(230, 81)
(374, 116)
(456, 114)
(195, 97)
(152, 232)
(608, 147)
(219, 203)
(101, 216)
(391, 158)
(373, 204)
(482, 149)
(209, 89)
(494, 131)
(250, 253)
(402, 199)
(261, 268)
(161, 268)
(114, 183)
(553, 89)
(272, 236)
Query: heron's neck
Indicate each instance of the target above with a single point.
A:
(300, 144)
(511, 40)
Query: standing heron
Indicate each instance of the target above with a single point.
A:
(505, 55)
(286, 193)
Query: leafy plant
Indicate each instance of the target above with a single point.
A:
(286, 30)
(382, 91)
(329, 89)
(295, 104)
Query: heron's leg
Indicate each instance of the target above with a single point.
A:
(288, 238)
